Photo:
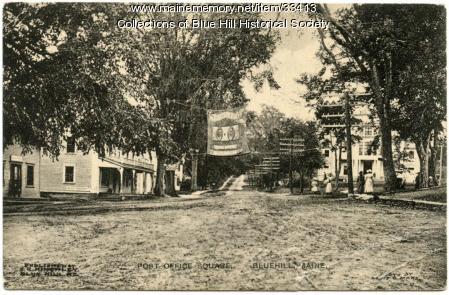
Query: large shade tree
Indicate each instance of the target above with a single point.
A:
(419, 106)
(372, 45)
(189, 71)
(68, 69)
(63, 75)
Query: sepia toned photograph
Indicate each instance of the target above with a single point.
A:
(224, 146)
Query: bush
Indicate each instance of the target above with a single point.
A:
(186, 185)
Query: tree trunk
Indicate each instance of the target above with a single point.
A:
(159, 188)
(423, 155)
(423, 171)
(170, 183)
(433, 156)
(383, 114)
(387, 156)
(301, 183)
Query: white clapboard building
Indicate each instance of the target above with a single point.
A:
(74, 172)
(364, 156)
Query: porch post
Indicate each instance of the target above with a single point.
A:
(133, 187)
(144, 173)
(121, 180)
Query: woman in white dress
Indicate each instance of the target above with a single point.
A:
(369, 183)
(328, 182)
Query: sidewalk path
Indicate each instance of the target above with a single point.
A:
(194, 195)
(237, 185)
(403, 201)
(414, 202)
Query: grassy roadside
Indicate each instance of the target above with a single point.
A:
(434, 194)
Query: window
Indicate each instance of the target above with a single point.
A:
(104, 177)
(345, 170)
(368, 131)
(411, 154)
(326, 153)
(30, 175)
(360, 148)
(366, 149)
(70, 144)
(69, 174)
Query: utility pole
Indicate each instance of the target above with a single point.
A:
(290, 146)
(440, 181)
(194, 153)
(271, 175)
(290, 171)
(268, 166)
(349, 143)
(339, 116)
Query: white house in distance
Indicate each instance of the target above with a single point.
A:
(363, 157)
(32, 175)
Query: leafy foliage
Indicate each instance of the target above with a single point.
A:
(269, 126)
(69, 68)
(61, 77)
(380, 48)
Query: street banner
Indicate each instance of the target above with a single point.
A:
(226, 132)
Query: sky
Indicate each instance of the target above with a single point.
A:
(294, 55)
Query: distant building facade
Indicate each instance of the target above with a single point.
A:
(34, 174)
(365, 157)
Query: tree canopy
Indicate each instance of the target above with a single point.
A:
(60, 77)
(69, 69)
(380, 47)
(269, 126)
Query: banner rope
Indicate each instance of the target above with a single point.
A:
(263, 153)
(207, 110)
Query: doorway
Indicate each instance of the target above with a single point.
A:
(15, 182)
(367, 165)
(109, 180)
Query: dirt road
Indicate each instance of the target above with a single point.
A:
(244, 240)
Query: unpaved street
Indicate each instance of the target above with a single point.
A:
(244, 240)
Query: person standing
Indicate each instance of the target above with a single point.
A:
(369, 183)
(360, 183)
(417, 181)
(328, 183)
